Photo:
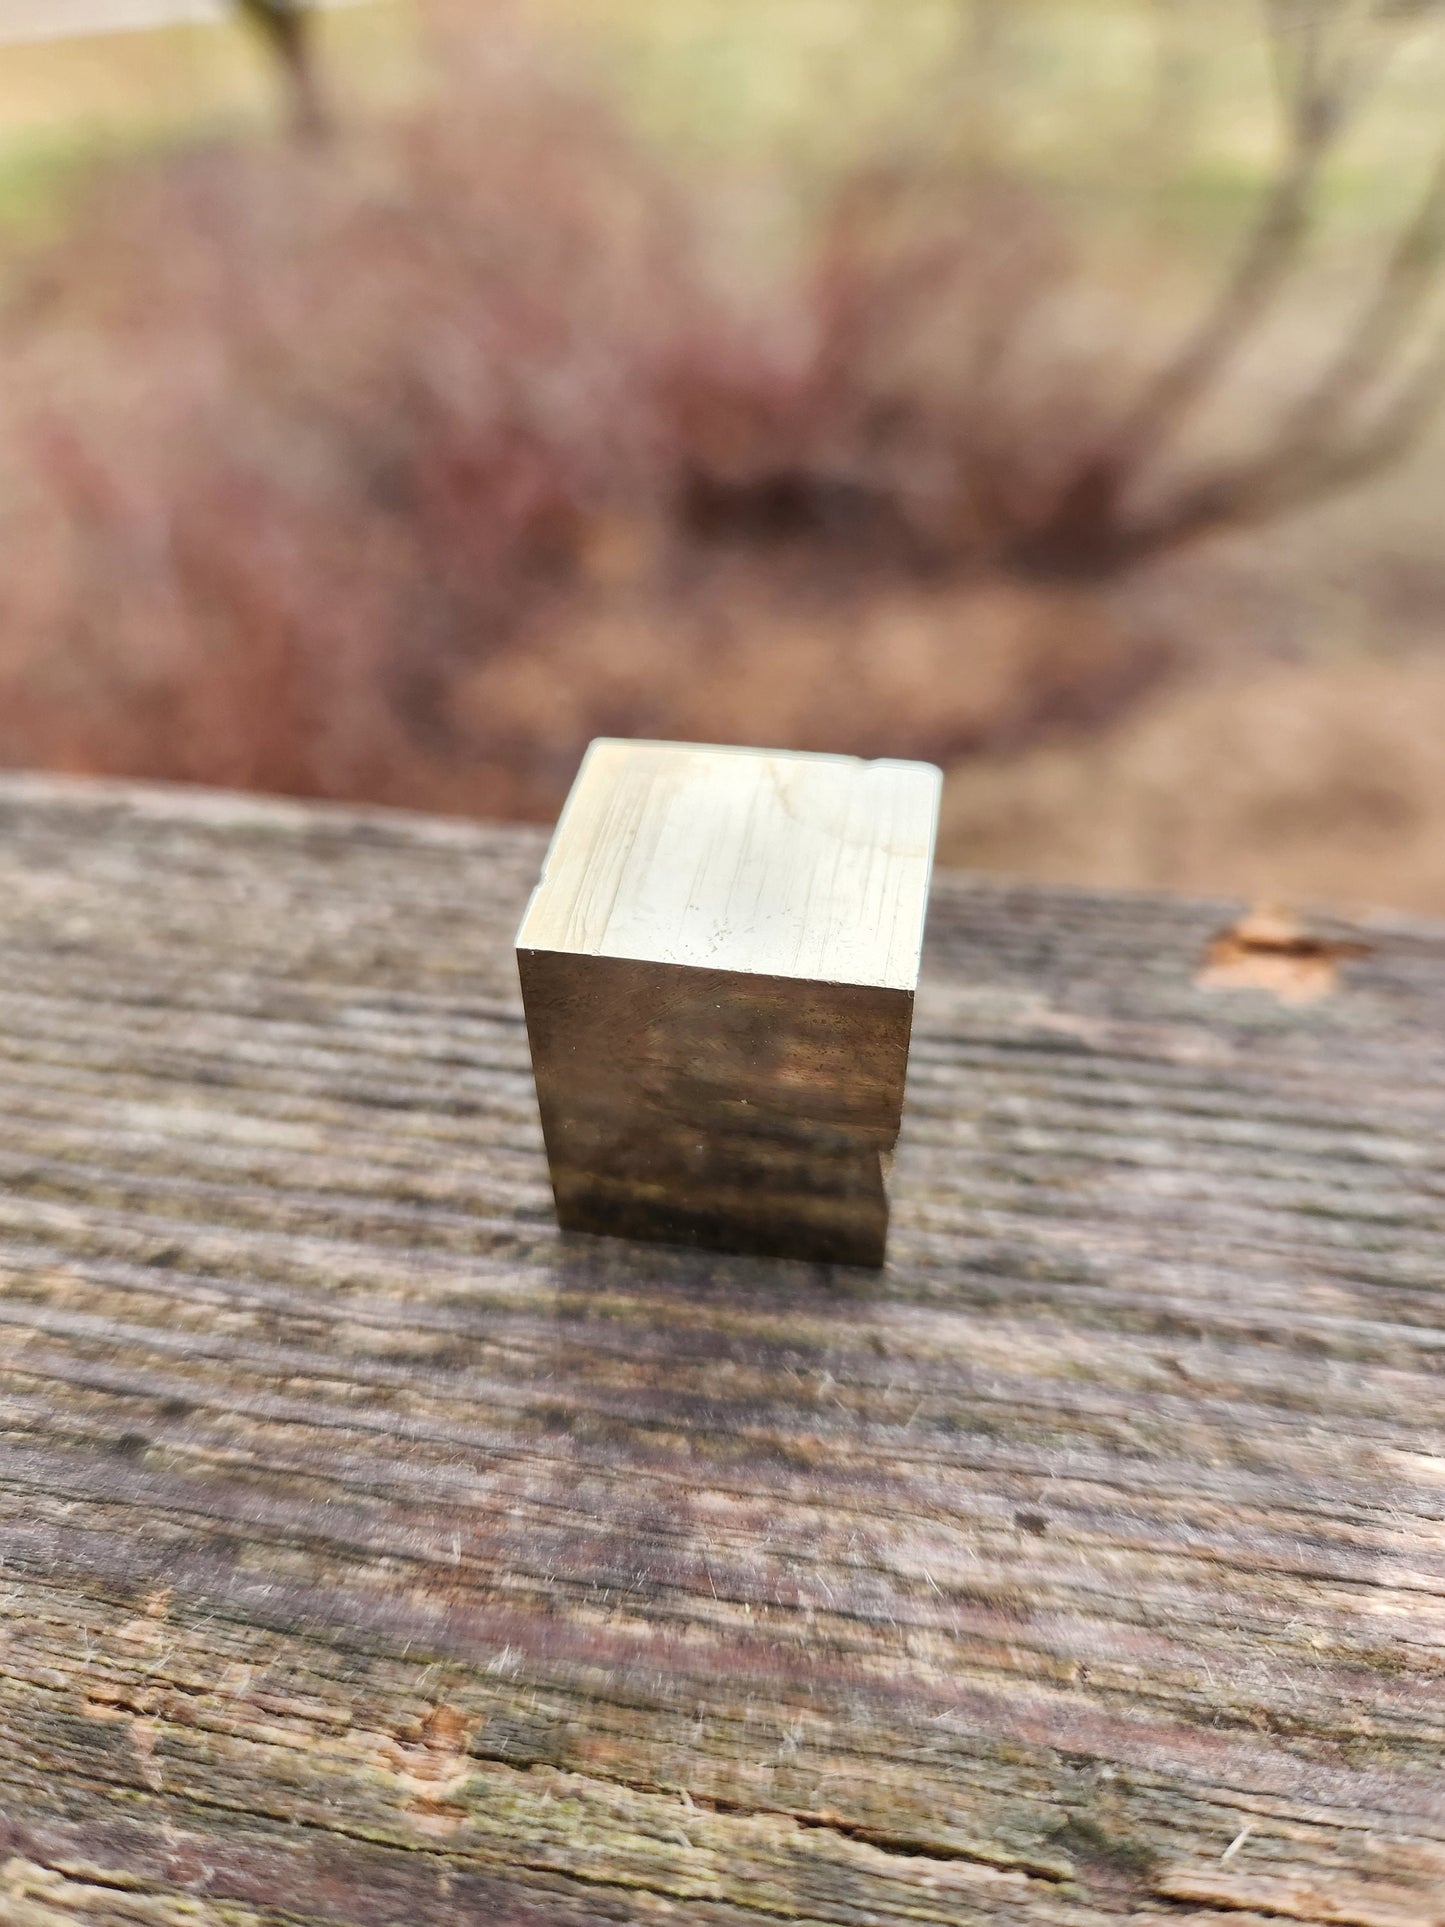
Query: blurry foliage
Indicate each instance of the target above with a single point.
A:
(294, 435)
(399, 465)
(942, 377)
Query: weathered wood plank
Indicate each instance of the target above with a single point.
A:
(372, 1554)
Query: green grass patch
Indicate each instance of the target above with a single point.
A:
(67, 106)
(1171, 138)
(1177, 132)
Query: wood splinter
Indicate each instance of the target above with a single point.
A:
(718, 968)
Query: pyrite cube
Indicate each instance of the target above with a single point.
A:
(718, 967)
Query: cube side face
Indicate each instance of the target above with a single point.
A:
(717, 1108)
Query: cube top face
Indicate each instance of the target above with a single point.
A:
(755, 861)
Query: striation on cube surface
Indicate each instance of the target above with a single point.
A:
(718, 969)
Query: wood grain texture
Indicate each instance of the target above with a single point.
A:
(373, 1554)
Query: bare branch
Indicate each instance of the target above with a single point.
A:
(1321, 85)
(285, 26)
(1259, 491)
(1326, 55)
(1310, 457)
(1383, 328)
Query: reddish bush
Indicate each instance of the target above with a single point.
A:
(294, 436)
(399, 468)
(935, 398)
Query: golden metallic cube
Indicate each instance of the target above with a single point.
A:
(718, 968)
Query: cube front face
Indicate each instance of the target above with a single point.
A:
(687, 1096)
(716, 1108)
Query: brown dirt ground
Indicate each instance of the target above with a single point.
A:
(1320, 783)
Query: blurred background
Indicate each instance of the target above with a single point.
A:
(396, 394)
